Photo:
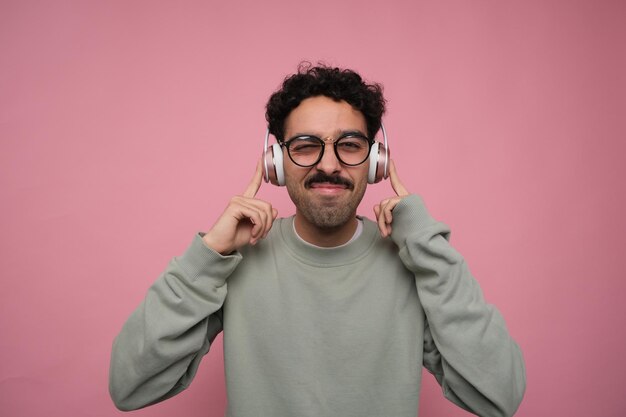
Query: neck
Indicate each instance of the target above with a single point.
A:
(325, 237)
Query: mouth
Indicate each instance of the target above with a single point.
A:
(328, 190)
(328, 187)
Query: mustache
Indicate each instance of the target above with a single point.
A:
(321, 177)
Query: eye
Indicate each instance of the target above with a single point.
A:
(300, 147)
(305, 144)
(352, 144)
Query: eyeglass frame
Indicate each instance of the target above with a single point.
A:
(266, 166)
(352, 134)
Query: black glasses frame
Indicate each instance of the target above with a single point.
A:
(335, 142)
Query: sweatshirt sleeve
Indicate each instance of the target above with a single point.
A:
(159, 348)
(467, 346)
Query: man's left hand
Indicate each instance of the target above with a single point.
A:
(384, 209)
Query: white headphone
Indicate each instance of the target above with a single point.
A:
(273, 161)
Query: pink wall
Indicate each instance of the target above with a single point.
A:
(125, 126)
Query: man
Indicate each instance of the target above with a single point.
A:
(324, 313)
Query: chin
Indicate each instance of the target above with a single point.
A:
(326, 212)
(328, 218)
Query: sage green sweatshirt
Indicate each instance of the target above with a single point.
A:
(320, 332)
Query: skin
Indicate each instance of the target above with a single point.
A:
(325, 212)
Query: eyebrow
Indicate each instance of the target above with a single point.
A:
(341, 134)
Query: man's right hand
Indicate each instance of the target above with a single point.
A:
(246, 219)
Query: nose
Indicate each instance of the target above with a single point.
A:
(329, 163)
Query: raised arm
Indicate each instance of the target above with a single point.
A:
(159, 348)
(466, 343)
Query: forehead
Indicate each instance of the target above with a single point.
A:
(323, 116)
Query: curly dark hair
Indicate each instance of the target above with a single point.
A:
(321, 80)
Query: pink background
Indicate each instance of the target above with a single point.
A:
(126, 126)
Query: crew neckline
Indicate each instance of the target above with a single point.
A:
(355, 236)
(326, 257)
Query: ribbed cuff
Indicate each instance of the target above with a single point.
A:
(410, 218)
(201, 262)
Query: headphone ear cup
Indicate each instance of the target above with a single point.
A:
(382, 170)
(371, 175)
(277, 151)
(273, 168)
(378, 163)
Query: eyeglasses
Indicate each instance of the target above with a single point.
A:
(307, 150)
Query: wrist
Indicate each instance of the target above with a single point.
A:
(215, 245)
(410, 217)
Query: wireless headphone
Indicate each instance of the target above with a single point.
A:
(273, 161)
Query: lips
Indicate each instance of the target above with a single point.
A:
(328, 190)
(328, 185)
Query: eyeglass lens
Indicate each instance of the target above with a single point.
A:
(307, 150)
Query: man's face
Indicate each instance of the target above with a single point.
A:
(328, 193)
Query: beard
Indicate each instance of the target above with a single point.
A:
(326, 212)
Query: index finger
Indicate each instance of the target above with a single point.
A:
(255, 184)
(397, 186)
